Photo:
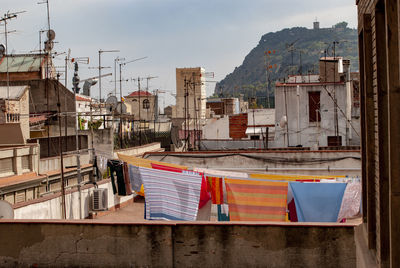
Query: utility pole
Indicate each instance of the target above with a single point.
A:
(140, 107)
(4, 19)
(40, 40)
(268, 68)
(75, 83)
(117, 59)
(185, 110)
(64, 212)
(147, 93)
(334, 90)
(120, 93)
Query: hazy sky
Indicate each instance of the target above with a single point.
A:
(216, 34)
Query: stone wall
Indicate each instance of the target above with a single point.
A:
(169, 244)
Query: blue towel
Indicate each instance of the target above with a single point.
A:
(317, 202)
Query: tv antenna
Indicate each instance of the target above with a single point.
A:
(8, 16)
(291, 49)
(100, 67)
(48, 12)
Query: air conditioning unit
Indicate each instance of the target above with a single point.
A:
(100, 199)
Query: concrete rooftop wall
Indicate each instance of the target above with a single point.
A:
(279, 162)
(49, 207)
(55, 244)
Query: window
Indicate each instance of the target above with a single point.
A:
(314, 105)
(146, 104)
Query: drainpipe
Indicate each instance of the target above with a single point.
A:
(298, 115)
(348, 107)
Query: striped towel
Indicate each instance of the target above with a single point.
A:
(215, 187)
(256, 200)
(171, 195)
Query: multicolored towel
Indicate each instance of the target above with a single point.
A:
(256, 200)
(171, 195)
(215, 187)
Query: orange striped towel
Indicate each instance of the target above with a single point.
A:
(256, 200)
(214, 186)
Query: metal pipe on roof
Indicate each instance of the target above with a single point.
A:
(283, 169)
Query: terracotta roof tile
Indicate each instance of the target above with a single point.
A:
(142, 93)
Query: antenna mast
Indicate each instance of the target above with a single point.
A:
(4, 19)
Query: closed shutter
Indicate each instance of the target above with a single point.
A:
(25, 162)
(30, 194)
(20, 196)
(42, 190)
(72, 182)
(6, 165)
(314, 105)
(55, 186)
(9, 198)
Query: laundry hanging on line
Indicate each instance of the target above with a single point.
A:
(215, 187)
(171, 195)
(256, 200)
(127, 181)
(204, 195)
(317, 202)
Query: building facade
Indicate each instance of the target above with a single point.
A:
(379, 43)
(14, 115)
(142, 105)
(318, 110)
(191, 94)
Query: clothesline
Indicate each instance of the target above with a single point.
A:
(249, 196)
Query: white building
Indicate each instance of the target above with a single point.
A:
(100, 114)
(306, 113)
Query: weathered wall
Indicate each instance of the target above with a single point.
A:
(214, 144)
(103, 141)
(308, 133)
(53, 163)
(49, 207)
(216, 128)
(175, 245)
(46, 91)
(140, 150)
(49, 147)
(133, 108)
(11, 160)
(199, 96)
(279, 162)
(379, 42)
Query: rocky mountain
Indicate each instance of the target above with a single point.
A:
(289, 51)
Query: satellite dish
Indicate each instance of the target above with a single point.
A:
(118, 108)
(51, 35)
(6, 210)
(112, 102)
(283, 122)
(2, 49)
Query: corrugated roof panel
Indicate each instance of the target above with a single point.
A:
(21, 63)
(15, 92)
